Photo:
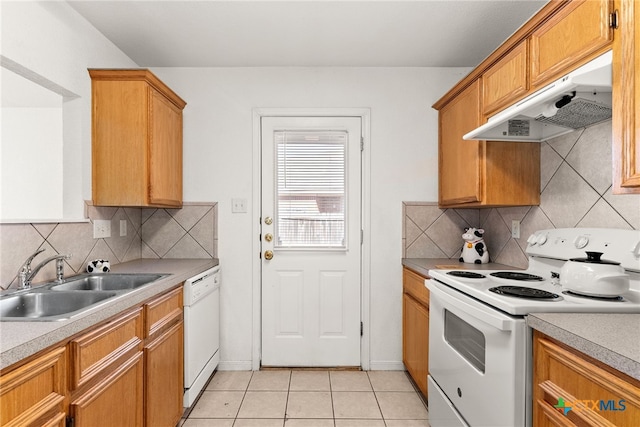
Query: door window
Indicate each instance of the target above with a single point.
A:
(310, 189)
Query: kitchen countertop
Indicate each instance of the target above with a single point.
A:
(423, 265)
(611, 338)
(19, 340)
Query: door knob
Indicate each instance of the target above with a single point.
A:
(268, 220)
(268, 255)
(268, 237)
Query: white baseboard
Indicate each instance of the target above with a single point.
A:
(386, 365)
(241, 365)
(245, 365)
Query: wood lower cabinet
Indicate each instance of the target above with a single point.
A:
(136, 140)
(34, 393)
(125, 371)
(482, 173)
(626, 99)
(164, 360)
(576, 34)
(415, 328)
(572, 389)
(107, 373)
(116, 400)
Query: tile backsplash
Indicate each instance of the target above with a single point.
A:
(189, 232)
(575, 183)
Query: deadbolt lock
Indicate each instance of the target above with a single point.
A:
(268, 220)
(268, 237)
(268, 255)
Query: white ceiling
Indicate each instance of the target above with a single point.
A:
(368, 33)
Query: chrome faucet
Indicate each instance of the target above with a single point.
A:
(26, 274)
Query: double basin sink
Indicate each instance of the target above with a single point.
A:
(60, 301)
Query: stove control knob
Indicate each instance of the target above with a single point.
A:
(581, 242)
(542, 239)
(532, 240)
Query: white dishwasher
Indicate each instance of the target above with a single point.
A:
(201, 331)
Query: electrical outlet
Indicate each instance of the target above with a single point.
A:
(238, 205)
(123, 227)
(101, 228)
(515, 229)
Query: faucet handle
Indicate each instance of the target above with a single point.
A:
(26, 266)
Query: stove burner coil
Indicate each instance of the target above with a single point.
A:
(594, 297)
(515, 275)
(466, 274)
(523, 292)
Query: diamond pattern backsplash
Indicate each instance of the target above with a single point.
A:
(575, 182)
(189, 232)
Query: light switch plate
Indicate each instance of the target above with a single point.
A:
(123, 227)
(101, 228)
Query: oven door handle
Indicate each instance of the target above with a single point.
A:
(463, 308)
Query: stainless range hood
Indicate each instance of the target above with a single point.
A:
(579, 99)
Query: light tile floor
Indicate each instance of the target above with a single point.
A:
(308, 398)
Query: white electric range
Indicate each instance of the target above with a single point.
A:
(479, 344)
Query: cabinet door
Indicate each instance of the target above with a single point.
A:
(592, 393)
(165, 152)
(459, 160)
(568, 39)
(164, 378)
(116, 401)
(506, 81)
(415, 341)
(34, 394)
(626, 99)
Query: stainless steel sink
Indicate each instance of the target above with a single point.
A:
(106, 282)
(45, 305)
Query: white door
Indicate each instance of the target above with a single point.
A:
(311, 241)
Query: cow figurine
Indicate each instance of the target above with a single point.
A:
(474, 250)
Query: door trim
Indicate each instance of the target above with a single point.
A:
(365, 115)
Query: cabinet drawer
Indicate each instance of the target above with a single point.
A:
(34, 394)
(413, 284)
(101, 348)
(163, 311)
(595, 393)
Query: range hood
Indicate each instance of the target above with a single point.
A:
(579, 99)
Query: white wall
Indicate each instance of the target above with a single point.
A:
(52, 44)
(218, 144)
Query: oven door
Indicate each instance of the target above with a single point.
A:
(480, 358)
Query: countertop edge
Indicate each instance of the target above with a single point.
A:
(56, 332)
(609, 357)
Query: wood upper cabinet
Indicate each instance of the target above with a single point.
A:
(34, 393)
(459, 160)
(482, 173)
(591, 393)
(506, 81)
(136, 140)
(415, 328)
(571, 37)
(626, 99)
(164, 360)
